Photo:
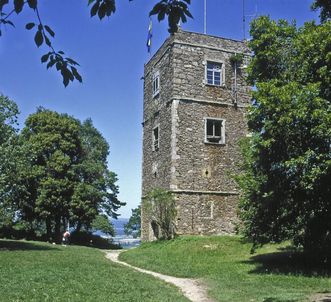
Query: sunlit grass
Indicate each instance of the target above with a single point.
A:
(274, 273)
(31, 271)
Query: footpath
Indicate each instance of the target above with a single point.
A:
(192, 289)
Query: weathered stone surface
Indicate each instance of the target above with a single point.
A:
(200, 174)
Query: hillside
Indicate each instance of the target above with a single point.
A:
(232, 273)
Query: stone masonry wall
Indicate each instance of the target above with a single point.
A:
(208, 167)
(206, 214)
(199, 174)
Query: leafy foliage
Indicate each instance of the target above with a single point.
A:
(96, 191)
(9, 161)
(53, 145)
(287, 161)
(175, 10)
(160, 207)
(43, 35)
(102, 223)
(236, 59)
(66, 174)
(88, 239)
(325, 9)
(102, 8)
(133, 227)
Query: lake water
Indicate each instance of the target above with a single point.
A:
(120, 237)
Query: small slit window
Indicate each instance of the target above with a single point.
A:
(214, 131)
(214, 73)
(155, 139)
(156, 83)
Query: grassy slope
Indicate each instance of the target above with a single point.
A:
(230, 271)
(43, 272)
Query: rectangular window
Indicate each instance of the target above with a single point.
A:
(156, 83)
(214, 73)
(215, 131)
(156, 138)
(206, 210)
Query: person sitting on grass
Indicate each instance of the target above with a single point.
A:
(65, 238)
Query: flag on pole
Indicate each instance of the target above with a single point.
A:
(149, 36)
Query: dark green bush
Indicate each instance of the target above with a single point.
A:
(88, 239)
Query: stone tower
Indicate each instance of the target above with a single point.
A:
(194, 116)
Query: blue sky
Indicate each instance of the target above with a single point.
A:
(112, 54)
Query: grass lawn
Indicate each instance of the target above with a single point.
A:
(32, 271)
(273, 274)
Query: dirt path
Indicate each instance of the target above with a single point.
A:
(191, 288)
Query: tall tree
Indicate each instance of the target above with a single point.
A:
(133, 227)
(175, 10)
(10, 161)
(54, 147)
(325, 9)
(287, 161)
(96, 190)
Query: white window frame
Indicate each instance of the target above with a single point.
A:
(156, 83)
(156, 143)
(222, 138)
(211, 205)
(221, 70)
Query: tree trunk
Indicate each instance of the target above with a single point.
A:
(48, 230)
(58, 236)
(79, 226)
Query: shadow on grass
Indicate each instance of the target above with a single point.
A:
(277, 300)
(288, 262)
(8, 245)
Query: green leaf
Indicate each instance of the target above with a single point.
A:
(18, 5)
(161, 15)
(45, 57)
(50, 63)
(38, 38)
(158, 8)
(76, 74)
(3, 3)
(48, 42)
(50, 31)
(95, 8)
(58, 65)
(30, 25)
(71, 61)
(102, 11)
(65, 76)
(9, 22)
(33, 3)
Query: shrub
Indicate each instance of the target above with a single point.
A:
(88, 239)
(160, 206)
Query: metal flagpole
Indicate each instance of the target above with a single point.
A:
(244, 20)
(205, 18)
(247, 16)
